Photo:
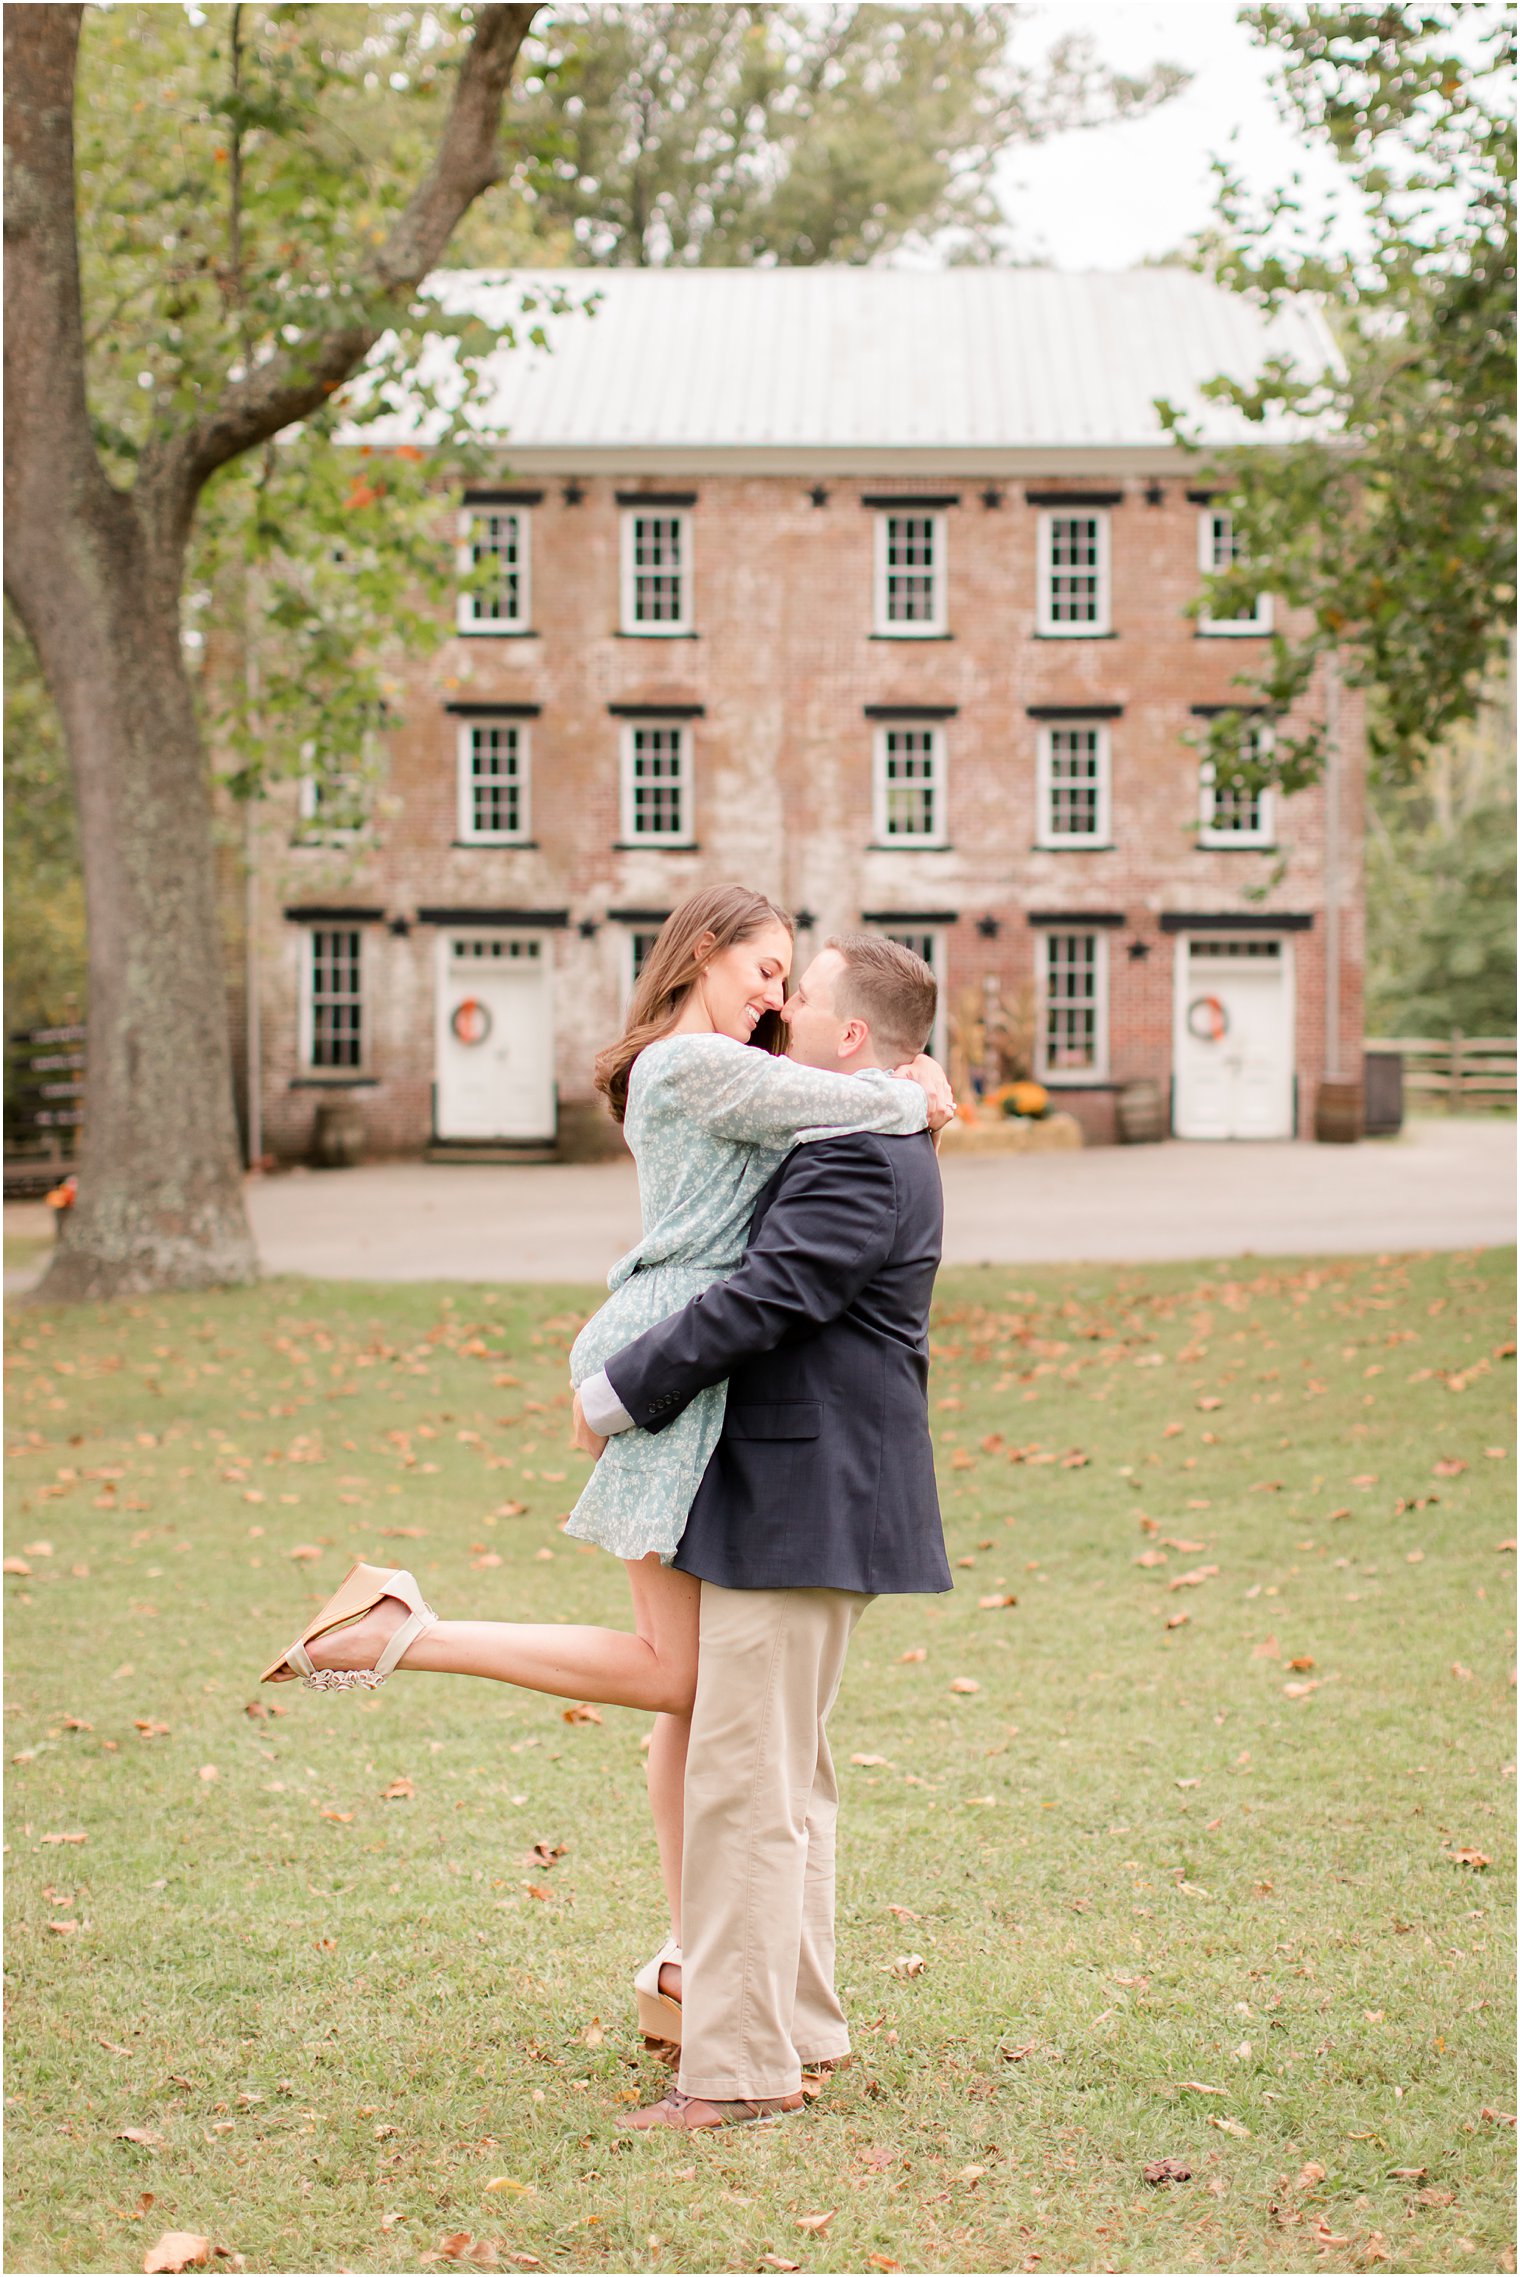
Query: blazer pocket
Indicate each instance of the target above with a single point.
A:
(777, 1419)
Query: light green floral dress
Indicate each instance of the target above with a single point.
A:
(708, 1120)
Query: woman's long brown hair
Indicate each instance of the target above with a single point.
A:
(724, 914)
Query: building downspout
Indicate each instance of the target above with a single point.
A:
(1333, 1072)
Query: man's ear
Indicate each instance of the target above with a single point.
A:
(854, 1038)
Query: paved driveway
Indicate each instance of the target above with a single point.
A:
(1443, 1185)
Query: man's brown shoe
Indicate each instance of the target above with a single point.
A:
(690, 2114)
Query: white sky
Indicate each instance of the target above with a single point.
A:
(1113, 196)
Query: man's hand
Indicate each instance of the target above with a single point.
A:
(589, 1442)
(936, 1083)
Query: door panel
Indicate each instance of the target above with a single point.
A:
(1234, 1045)
(495, 1038)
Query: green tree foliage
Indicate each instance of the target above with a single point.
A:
(234, 173)
(729, 135)
(1441, 886)
(1391, 523)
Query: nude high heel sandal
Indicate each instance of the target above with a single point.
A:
(359, 1593)
(659, 2012)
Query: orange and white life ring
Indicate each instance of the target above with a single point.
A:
(1208, 1020)
(471, 1021)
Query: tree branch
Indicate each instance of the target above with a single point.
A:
(298, 381)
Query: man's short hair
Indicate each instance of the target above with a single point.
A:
(888, 987)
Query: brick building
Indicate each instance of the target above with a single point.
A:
(869, 588)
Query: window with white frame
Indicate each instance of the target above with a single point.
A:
(1073, 1006)
(1074, 784)
(494, 559)
(910, 785)
(1073, 600)
(638, 941)
(337, 789)
(1219, 550)
(657, 795)
(910, 574)
(493, 781)
(1232, 811)
(927, 942)
(332, 1009)
(656, 570)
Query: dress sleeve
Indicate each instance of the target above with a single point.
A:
(738, 1092)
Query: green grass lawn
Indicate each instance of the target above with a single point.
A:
(1177, 1836)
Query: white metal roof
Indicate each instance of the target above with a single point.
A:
(816, 365)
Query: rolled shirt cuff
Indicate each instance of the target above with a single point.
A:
(602, 1408)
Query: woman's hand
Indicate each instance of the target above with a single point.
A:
(936, 1083)
(588, 1441)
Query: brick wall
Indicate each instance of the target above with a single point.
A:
(784, 663)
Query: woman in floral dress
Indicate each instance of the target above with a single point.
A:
(709, 1110)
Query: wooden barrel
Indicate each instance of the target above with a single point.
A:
(1338, 1113)
(1141, 1112)
(337, 1139)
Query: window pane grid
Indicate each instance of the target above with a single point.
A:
(336, 1034)
(1075, 782)
(1236, 809)
(911, 569)
(641, 946)
(1225, 553)
(1075, 569)
(1071, 1001)
(496, 781)
(658, 570)
(496, 547)
(658, 769)
(911, 787)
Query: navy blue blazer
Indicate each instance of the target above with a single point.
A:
(824, 1475)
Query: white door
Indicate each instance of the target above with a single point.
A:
(495, 1037)
(1234, 1042)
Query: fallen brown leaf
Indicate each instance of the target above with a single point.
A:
(1197, 2087)
(917, 1652)
(816, 2222)
(65, 1838)
(399, 1791)
(143, 2135)
(779, 2261)
(867, 1762)
(964, 1684)
(581, 1712)
(1466, 1856)
(909, 1965)
(1450, 1466)
(1192, 1578)
(304, 1552)
(1168, 2170)
(997, 1603)
(178, 2249)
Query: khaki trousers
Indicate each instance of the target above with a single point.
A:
(757, 1885)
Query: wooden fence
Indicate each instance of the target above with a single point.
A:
(1461, 1071)
(44, 1094)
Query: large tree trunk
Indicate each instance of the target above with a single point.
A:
(160, 1200)
(95, 577)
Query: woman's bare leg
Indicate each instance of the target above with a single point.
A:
(666, 1774)
(655, 1667)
